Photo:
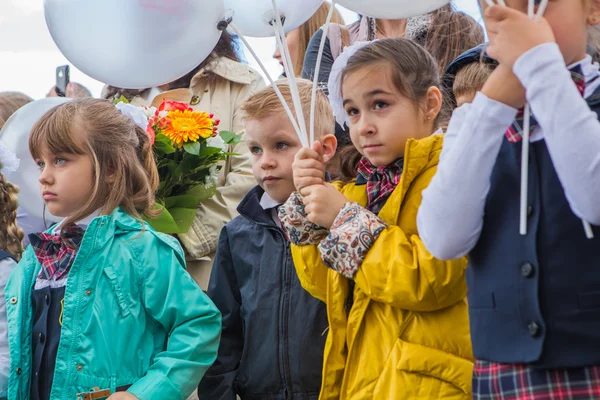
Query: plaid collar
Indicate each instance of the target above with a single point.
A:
(380, 181)
(514, 134)
(56, 252)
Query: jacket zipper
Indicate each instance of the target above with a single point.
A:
(285, 321)
(284, 306)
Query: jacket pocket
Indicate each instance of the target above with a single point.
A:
(413, 371)
(122, 300)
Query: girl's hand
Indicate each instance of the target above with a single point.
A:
(504, 87)
(322, 203)
(122, 396)
(513, 33)
(309, 168)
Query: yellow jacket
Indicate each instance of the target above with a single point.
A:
(407, 334)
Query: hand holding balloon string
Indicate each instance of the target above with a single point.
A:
(322, 201)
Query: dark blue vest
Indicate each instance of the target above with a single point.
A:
(535, 298)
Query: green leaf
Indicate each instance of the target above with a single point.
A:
(202, 193)
(164, 148)
(185, 201)
(192, 148)
(121, 99)
(230, 137)
(173, 221)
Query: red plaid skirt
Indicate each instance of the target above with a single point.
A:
(493, 381)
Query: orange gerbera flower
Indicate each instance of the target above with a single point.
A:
(188, 126)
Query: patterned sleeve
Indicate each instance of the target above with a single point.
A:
(300, 231)
(352, 235)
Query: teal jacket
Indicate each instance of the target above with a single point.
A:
(132, 315)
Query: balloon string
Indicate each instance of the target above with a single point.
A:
(541, 10)
(291, 76)
(313, 101)
(273, 84)
(525, 152)
(525, 169)
(587, 227)
(295, 96)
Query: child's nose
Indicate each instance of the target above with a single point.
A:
(365, 126)
(46, 177)
(267, 161)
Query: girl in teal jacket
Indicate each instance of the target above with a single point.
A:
(102, 302)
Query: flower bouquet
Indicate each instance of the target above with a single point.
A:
(188, 149)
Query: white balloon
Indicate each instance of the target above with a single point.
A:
(392, 9)
(254, 17)
(135, 44)
(15, 135)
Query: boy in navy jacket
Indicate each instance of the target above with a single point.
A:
(273, 331)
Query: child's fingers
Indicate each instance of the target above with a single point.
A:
(500, 13)
(303, 183)
(308, 173)
(318, 148)
(310, 163)
(305, 153)
(307, 190)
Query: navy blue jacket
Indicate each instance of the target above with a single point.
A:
(535, 298)
(273, 330)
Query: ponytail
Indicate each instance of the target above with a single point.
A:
(11, 236)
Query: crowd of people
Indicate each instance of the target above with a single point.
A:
(385, 261)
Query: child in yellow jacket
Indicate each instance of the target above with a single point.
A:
(398, 317)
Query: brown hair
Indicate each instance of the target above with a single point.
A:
(471, 78)
(226, 47)
(414, 71)
(11, 235)
(266, 103)
(10, 102)
(450, 34)
(97, 129)
(309, 28)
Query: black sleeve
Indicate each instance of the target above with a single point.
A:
(310, 59)
(218, 383)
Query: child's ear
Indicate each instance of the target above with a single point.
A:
(434, 103)
(329, 143)
(594, 16)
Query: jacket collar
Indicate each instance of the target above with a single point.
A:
(227, 69)
(118, 221)
(419, 156)
(251, 209)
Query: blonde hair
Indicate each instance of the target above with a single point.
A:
(10, 102)
(471, 78)
(309, 28)
(125, 173)
(11, 236)
(266, 103)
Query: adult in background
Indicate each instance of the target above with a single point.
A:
(74, 91)
(219, 85)
(299, 38)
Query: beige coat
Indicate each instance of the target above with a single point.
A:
(237, 82)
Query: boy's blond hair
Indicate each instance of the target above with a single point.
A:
(471, 78)
(265, 104)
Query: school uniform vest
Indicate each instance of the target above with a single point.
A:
(534, 298)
